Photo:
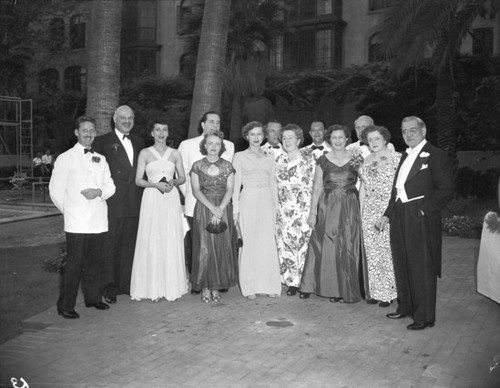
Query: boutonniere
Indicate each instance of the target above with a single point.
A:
(115, 146)
(424, 154)
(356, 157)
(96, 159)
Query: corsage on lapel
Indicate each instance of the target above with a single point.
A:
(115, 146)
(96, 159)
(424, 154)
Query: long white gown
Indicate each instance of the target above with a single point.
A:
(488, 266)
(159, 269)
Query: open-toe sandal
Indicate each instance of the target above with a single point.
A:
(205, 297)
(215, 296)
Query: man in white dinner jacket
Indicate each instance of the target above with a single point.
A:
(190, 152)
(80, 185)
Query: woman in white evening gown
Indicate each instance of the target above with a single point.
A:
(159, 269)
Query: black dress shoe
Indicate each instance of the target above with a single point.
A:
(98, 305)
(304, 295)
(395, 315)
(292, 291)
(336, 300)
(384, 304)
(110, 299)
(68, 314)
(372, 301)
(224, 290)
(194, 292)
(419, 326)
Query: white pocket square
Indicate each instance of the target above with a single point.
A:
(424, 166)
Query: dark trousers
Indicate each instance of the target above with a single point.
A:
(416, 278)
(119, 255)
(188, 245)
(83, 262)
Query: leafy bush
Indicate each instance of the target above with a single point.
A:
(169, 98)
(480, 184)
(55, 264)
(462, 226)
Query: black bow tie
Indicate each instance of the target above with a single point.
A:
(88, 150)
(315, 147)
(362, 144)
(127, 136)
(276, 147)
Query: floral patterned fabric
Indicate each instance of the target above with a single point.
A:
(295, 184)
(378, 179)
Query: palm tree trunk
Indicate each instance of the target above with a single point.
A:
(103, 82)
(445, 113)
(207, 91)
(236, 121)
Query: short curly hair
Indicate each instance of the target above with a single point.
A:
(295, 129)
(375, 128)
(203, 142)
(249, 126)
(84, 119)
(337, 127)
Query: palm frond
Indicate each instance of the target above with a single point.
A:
(451, 39)
(413, 28)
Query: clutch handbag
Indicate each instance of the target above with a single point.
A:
(216, 228)
(164, 180)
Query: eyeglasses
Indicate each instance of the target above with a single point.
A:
(412, 131)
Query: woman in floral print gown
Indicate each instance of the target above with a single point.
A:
(295, 173)
(377, 175)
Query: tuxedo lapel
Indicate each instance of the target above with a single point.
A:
(419, 162)
(137, 149)
(119, 151)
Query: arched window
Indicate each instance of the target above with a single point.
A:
(374, 51)
(75, 79)
(56, 32)
(48, 81)
(187, 65)
(77, 32)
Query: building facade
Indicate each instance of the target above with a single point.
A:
(321, 34)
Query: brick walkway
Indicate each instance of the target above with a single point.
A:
(266, 342)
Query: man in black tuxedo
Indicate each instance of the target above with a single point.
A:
(422, 187)
(121, 150)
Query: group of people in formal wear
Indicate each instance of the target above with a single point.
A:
(339, 219)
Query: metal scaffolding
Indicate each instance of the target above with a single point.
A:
(16, 131)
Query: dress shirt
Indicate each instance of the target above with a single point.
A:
(405, 170)
(318, 152)
(127, 145)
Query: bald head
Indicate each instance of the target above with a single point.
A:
(124, 119)
(361, 123)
